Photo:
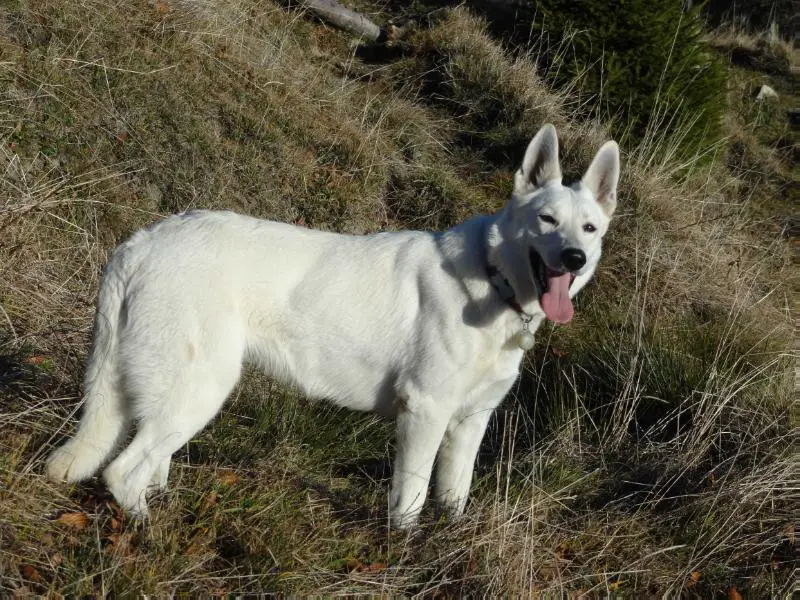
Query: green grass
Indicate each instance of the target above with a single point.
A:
(650, 439)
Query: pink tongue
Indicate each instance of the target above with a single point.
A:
(555, 301)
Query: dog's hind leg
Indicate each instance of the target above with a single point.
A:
(144, 464)
(421, 423)
(170, 416)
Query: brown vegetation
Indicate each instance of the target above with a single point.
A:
(647, 449)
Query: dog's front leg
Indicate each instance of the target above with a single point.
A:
(460, 446)
(457, 459)
(421, 423)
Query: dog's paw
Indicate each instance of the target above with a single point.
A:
(133, 500)
(404, 521)
(451, 505)
(63, 465)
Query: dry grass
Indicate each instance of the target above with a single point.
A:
(647, 449)
(766, 50)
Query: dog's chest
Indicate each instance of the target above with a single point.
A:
(490, 381)
(496, 367)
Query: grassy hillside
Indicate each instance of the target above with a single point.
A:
(648, 448)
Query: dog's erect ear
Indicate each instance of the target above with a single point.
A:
(540, 164)
(602, 176)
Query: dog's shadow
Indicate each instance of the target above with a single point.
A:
(367, 469)
(346, 504)
(20, 376)
(26, 382)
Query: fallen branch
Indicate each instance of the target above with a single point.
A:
(351, 21)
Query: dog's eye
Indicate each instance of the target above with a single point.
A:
(548, 219)
(589, 228)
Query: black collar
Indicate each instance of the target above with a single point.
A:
(503, 288)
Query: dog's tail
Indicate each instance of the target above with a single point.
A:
(104, 422)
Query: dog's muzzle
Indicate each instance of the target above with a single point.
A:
(573, 259)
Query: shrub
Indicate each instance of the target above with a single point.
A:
(644, 61)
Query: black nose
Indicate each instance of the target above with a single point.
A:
(573, 259)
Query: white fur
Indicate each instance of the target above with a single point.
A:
(404, 324)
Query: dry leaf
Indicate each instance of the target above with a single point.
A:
(31, 574)
(116, 524)
(199, 543)
(560, 353)
(228, 477)
(36, 360)
(209, 501)
(376, 566)
(116, 510)
(78, 520)
(694, 577)
(195, 549)
(733, 594)
(161, 7)
(122, 136)
(353, 564)
(56, 559)
(119, 542)
(472, 566)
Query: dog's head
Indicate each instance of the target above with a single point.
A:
(562, 226)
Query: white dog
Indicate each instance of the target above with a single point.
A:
(429, 328)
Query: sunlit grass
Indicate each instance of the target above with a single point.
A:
(648, 441)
